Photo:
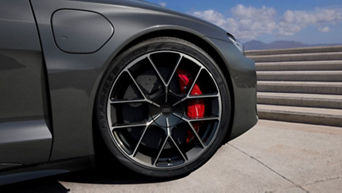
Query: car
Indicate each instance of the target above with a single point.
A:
(160, 90)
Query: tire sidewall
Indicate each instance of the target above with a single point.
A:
(152, 45)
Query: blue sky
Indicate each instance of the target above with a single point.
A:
(308, 21)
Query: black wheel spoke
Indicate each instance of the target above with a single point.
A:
(140, 139)
(171, 77)
(160, 150)
(188, 121)
(160, 77)
(133, 125)
(194, 82)
(179, 150)
(127, 101)
(174, 70)
(205, 96)
(196, 134)
(157, 71)
(213, 118)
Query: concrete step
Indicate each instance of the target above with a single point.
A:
(300, 87)
(301, 100)
(333, 76)
(298, 57)
(295, 50)
(300, 65)
(319, 116)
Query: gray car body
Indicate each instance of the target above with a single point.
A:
(52, 59)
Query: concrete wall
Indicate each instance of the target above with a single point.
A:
(300, 84)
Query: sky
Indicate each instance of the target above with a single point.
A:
(307, 21)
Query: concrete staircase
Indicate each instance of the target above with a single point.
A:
(300, 85)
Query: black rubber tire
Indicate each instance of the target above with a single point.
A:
(120, 62)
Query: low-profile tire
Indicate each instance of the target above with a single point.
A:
(147, 108)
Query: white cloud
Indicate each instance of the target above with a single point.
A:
(294, 21)
(250, 22)
(163, 4)
(246, 23)
(211, 16)
(324, 29)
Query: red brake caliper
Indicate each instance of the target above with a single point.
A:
(195, 108)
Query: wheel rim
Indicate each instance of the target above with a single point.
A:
(148, 112)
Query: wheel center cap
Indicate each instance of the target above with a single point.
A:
(164, 117)
(166, 109)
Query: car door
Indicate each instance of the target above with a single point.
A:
(25, 136)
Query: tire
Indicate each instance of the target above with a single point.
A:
(142, 118)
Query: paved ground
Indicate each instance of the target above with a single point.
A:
(273, 157)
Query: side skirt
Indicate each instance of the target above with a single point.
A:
(44, 170)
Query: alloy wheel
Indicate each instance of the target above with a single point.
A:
(164, 110)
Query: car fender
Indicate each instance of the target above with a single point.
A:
(74, 77)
